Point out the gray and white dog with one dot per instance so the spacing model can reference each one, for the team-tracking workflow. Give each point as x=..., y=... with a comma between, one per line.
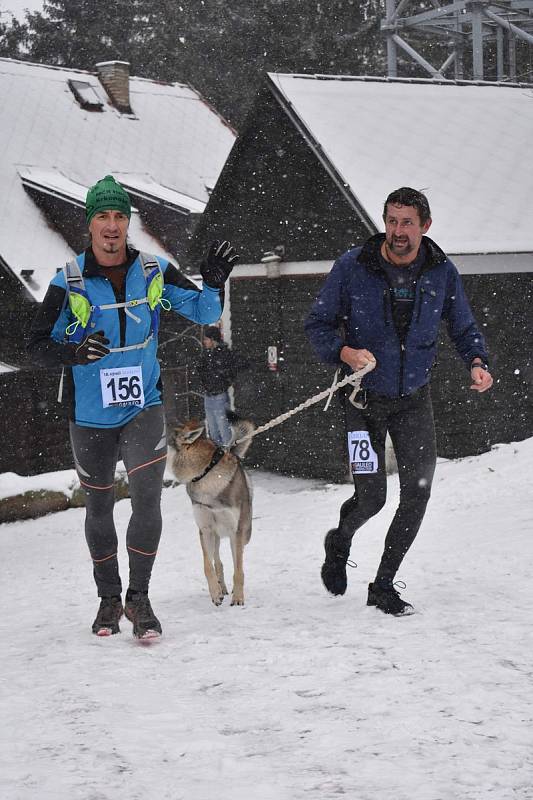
x=221, y=496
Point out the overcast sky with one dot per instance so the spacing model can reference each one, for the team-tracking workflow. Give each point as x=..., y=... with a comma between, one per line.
x=17, y=7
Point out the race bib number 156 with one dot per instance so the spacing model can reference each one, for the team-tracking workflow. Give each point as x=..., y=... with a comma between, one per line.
x=363, y=458
x=122, y=386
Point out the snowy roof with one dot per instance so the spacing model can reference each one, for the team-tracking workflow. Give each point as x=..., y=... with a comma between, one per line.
x=145, y=186
x=174, y=145
x=56, y=184
x=467, y=146
x=53, y=182
x=7, y=367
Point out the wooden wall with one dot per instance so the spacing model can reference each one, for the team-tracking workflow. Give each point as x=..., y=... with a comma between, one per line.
x=271, y=312
x=35, y=425
x=273, y=191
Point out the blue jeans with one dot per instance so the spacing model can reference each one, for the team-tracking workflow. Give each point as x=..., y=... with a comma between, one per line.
x=218, y=427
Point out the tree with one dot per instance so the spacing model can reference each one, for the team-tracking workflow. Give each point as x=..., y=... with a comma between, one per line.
x=82, y=33
x=223, y=49
x=12, y=36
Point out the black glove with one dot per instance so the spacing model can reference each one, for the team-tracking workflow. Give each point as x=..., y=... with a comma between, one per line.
x=218, y=263
x=92, y=348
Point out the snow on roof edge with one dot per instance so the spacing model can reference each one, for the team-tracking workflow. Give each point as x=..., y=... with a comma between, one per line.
x=353, y=104
x=93, y=73
x=386, y=79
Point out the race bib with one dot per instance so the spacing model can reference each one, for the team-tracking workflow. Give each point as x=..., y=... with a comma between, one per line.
x=363, y=457
x=122, y=386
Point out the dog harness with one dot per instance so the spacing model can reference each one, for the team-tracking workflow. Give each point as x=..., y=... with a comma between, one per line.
x=217, y=455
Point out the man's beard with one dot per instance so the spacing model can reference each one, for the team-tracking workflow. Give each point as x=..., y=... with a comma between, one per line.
x=111, y=247
x=398, y=249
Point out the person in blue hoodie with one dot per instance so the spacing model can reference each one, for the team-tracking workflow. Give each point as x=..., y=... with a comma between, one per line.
x=381, y=306
x=99, y=322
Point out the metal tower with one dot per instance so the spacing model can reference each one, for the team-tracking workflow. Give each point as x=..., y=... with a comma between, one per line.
x=464, y=24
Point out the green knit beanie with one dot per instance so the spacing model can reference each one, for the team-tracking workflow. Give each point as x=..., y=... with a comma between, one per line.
x=107, y=195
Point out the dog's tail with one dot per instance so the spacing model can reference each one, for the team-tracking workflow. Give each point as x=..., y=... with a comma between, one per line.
x=241, y=427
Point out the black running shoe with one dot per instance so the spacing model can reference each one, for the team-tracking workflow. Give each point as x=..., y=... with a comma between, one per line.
x=109, y=614
x=387, y=599
x=139, y=611
x=334, y=567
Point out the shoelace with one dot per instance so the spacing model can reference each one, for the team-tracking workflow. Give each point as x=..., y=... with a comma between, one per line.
x=391, y=587
x=339, y=554
x=349, y=562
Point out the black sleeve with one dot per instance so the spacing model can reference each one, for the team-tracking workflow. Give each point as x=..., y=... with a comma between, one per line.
x=228, y=365
x=43, y=350
x=201, y=368
x=174, y=277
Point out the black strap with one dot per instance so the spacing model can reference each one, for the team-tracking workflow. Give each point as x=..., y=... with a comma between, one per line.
x=217, y=455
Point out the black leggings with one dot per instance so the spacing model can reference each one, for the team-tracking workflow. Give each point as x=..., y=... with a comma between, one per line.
x=142, y=446
x=409, y=422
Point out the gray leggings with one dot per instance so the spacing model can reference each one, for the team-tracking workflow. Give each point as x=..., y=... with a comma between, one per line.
x=142, y=445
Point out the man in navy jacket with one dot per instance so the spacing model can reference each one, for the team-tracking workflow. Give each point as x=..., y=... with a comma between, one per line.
x=382, y=304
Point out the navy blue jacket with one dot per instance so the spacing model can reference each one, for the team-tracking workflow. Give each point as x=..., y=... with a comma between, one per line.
x=354, y=308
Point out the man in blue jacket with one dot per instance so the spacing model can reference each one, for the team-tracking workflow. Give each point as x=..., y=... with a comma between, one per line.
x=99, y=321
x=382, y=304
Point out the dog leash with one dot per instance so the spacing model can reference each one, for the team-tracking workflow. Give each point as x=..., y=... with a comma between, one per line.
x=354, y=379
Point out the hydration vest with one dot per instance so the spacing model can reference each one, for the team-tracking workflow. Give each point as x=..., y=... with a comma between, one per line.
x=85, y=314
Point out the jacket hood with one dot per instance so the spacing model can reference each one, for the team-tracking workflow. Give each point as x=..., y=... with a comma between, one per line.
x=369, y=255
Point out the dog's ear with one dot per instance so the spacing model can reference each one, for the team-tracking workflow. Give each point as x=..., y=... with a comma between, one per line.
x=191, y=436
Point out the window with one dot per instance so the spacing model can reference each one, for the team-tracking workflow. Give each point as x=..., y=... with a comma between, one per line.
x=86, y=95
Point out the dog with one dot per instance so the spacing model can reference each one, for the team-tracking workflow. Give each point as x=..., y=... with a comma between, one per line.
x=221, y=496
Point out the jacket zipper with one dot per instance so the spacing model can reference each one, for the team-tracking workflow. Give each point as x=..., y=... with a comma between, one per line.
x=416, y=314
x=386, y=295
x=421, y=292
x=388, y=316
x=418, y=311
x=402, y=359
x=120, y=297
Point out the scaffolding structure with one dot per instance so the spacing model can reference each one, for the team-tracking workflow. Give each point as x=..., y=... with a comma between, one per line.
x=463, y=24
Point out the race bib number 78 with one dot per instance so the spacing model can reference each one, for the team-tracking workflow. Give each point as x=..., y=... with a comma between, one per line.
x=122, y=386
x=363, y=458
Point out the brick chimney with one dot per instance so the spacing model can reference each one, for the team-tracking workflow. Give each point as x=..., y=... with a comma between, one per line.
x=115, y=78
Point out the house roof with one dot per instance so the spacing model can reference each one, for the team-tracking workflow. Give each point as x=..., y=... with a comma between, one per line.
x=54, y=183
x=465, y=145
x=173, y=147
x=7, y=367
x=144, y=186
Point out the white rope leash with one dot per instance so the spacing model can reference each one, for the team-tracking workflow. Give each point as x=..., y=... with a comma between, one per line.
x=354, y=379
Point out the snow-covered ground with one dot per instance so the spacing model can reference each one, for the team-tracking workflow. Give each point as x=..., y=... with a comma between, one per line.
x=298, y=695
